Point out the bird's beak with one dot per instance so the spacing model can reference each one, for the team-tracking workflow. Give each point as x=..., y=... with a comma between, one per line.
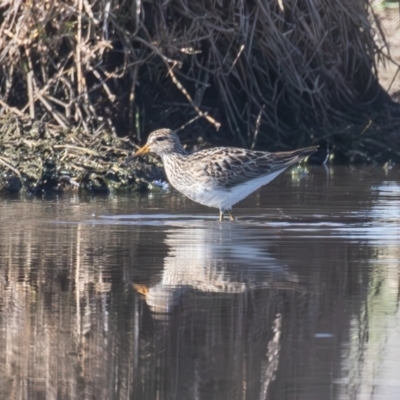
x=143, y=150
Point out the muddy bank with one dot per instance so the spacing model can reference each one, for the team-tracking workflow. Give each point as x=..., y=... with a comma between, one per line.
x=39, y=158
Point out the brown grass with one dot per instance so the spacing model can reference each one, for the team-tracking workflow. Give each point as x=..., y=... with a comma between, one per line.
x=276, y=73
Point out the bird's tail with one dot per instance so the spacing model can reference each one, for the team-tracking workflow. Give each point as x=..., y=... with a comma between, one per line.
x=288, y=158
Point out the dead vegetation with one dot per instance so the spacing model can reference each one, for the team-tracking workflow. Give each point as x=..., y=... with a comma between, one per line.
x=43, y=158
x=270, y=73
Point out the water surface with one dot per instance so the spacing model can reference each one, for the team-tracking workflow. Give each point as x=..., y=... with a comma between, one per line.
x=150, y=297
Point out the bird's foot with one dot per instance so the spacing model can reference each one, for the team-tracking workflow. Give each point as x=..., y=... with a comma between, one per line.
x=221, y=216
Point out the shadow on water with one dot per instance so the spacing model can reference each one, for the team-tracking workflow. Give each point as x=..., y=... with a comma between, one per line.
x=131, y=297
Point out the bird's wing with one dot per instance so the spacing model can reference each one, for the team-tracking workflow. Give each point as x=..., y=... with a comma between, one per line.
x=228, y=167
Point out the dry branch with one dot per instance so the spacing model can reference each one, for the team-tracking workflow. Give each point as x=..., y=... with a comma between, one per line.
x=276, y=73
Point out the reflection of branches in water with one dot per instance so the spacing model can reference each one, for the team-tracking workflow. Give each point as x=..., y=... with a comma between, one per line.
x=373, y=345
x=270, y=367
x=55, y=286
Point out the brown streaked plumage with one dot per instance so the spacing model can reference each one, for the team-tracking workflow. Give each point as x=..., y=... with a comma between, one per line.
x=221, y=176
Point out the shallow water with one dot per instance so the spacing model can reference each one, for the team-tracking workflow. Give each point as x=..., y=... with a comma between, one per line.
x=149, y=297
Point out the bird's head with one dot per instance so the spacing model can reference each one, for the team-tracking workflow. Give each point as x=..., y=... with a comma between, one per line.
x=161, y=142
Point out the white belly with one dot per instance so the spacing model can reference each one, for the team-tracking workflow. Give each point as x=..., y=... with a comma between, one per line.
x=224, y=199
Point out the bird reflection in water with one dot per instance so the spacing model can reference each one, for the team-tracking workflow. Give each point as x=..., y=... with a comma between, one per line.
x=213, y=259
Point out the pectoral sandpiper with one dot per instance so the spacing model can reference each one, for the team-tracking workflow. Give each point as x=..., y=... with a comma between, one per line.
x=221, y=176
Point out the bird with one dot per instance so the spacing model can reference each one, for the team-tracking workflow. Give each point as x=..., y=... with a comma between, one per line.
x=221, y=176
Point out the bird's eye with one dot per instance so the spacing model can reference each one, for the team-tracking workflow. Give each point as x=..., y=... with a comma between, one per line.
x=160, y=138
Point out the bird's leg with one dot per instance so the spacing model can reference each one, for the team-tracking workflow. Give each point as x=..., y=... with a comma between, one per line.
x=231, y=217
x=221, y=215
